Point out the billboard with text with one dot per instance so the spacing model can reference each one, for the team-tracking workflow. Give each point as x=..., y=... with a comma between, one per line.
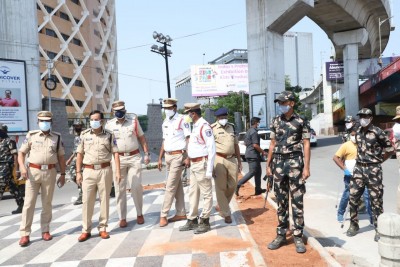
x=13, y=99
x=217, y=80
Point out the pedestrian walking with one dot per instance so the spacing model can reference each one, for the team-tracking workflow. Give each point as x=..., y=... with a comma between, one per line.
x=253, y=154
x=345, y=158
x=289, y=162
x=44, y=149
x=396, y=142
x=201, y=151
x=71, y=162
x=94, y=174
x=371, y=142
x=9, y=159
x=227, y=162
x=175, y=135
x=128, y=133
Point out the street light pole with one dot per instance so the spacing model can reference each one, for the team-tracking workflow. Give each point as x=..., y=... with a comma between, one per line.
x=380, y=39
x=164, y=51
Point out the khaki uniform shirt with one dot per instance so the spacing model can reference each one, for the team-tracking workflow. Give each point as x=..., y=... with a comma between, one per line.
x=126, y=133
x=225, y=138
x=42, y=148
x=97, y=148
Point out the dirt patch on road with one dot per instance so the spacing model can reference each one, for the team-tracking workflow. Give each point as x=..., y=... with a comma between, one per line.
x=262, y=225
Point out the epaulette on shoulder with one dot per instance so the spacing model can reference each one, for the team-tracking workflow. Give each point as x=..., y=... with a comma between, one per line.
x=56, y=133
x=86, y=131
x=214, y=124
x=107, y=131
x=34, y=132
x=112, y=120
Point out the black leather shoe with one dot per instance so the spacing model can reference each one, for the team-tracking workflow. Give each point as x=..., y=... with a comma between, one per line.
x=298, y=242
x=279, y=241
x=353, y=230
x=260, y=191
x=18, y=210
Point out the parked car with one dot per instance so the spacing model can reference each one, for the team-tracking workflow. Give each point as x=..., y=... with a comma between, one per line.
x=313, y=138
x=265, y=141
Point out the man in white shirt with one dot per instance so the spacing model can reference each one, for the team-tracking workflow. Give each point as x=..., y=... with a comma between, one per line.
x=175, y=132
x=201, y=151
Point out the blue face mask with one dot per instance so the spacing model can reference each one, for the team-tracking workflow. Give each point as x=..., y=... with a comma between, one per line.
x=284, y=109
x=95, y=124
x=44, y=126
x=120, y=114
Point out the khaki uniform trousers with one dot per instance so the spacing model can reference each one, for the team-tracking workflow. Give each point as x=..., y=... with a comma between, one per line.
x=131, y=173
x=226, y=172
x=96, y=181
x=200, y=184
x=43, y=180
x=174, y=187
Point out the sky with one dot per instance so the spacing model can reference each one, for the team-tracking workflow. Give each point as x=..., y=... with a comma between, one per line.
x=201, y=31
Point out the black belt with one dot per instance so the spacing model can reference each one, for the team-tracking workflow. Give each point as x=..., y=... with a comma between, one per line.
x=291, y=155
x=367, y=164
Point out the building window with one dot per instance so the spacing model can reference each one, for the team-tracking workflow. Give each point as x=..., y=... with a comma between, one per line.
x=50, y=32
x=76, y=20
x=76, y=41
x=65, y=59
x=64, y=16
x=96, y=32
x=79, y=62
x=78, y=83
x=51, y=55
x=37, y=7
x=66, y=80
x=96, y=51
x=75, y=2
x=65, y=36
x=98, y=70
x=48, y=9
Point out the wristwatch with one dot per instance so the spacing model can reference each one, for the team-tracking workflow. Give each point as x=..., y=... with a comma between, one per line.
x=147, y=153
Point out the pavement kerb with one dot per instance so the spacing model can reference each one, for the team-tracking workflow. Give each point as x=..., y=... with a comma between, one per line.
x=331, y=261
x=245, y=232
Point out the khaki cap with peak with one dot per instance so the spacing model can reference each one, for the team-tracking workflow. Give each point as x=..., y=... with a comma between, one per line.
x=45, y=115
x=397, y=113
x=169, y=102
x=191, y=106
x=118, y=105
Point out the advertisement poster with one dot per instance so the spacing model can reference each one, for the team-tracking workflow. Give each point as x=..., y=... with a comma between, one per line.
x=217, y=80
x=259, y=109
x=13, y=95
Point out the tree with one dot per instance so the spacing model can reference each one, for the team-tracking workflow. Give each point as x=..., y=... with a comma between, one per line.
x=233, y=102
x=296, y=90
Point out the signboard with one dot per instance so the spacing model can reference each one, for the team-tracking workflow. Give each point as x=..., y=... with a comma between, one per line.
x=259, y=109
x=13, y=95
x=217, y=80
x=334, y=71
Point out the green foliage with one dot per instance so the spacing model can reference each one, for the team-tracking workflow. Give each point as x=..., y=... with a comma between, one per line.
x=144, y=122
x=296, y=90
x=233, y=102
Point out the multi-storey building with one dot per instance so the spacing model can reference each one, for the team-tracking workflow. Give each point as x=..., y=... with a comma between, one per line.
x=79, y=36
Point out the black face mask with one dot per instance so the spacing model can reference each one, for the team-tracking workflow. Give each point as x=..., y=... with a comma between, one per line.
x=120, y=114
x=78, y=130
x=3, y=135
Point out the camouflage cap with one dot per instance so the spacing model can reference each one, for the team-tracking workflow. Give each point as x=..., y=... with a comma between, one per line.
x=118, y=105
x=397, y=113
x=191, y=106
x=365, y=111
x=78, y=122
x=285, y=96
x=45, y=115
x=349, y=118
x=169, y=102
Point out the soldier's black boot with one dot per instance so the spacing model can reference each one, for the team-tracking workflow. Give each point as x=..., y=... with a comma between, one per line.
x=18, y=210
x=279, y=241
x=190, y=225
x=204, y=226
x=298, y=242
x=353, y=229
x=78, y=201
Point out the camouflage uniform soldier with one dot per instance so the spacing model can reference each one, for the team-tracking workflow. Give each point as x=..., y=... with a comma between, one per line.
x=371, y=143
x=8, y=157
x=350, y=122
x=290, y=136
x=71, y=162
x=396, y=141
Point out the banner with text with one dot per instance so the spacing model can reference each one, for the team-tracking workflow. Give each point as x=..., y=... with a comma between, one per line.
x=13, y=99
x=217, y=80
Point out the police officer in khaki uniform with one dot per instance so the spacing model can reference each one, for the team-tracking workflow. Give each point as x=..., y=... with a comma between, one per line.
x=227, y=162
x=201, y=151
x=44, y=149
x=175, y=133
x=95, y=175
x=128, y=133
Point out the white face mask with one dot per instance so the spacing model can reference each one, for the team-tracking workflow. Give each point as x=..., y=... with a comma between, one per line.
x=349, y=125
x=169, y=113
x=95, y=124
x=364, y=122
x=284, y=109
x=44, y=125
x=223, y=122
x=353, y=138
